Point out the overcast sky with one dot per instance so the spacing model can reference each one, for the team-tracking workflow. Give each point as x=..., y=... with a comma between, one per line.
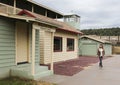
x=94, y=13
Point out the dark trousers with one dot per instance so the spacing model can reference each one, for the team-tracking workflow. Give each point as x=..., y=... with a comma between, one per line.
x=100, y=63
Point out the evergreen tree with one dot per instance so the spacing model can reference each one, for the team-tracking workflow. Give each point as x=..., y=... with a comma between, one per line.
x=103, y=32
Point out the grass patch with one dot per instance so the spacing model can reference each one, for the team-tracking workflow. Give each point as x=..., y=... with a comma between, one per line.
x=22, y=81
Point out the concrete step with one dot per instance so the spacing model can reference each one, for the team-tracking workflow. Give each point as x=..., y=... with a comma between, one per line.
x=37, y=76
x=40, y=69
x=27, y=67
x=23, y=71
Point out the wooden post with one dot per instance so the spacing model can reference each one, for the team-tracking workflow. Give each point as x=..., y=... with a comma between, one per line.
x=33, y=51
x=32, y=8
x=78, y=51
x=46, y=13
x=14, y=11
x=56, y=16
x=52, y=42
x=118, y=38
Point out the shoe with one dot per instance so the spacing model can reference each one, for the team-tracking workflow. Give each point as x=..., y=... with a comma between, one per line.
x=100, y=65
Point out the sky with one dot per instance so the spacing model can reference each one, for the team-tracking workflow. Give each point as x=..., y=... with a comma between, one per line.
x=94, y=13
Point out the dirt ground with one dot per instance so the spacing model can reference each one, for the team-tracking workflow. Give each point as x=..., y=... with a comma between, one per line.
x=73, y=66
x=22, y=81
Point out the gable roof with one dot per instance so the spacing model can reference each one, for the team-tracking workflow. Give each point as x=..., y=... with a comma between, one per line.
x=96, y=39
x=62, y=25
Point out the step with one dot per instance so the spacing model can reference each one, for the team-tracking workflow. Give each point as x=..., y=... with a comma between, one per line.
x=21, y=73
x=37, y=76
x=40, y=71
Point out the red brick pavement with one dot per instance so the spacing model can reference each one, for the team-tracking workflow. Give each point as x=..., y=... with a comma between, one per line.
x=73, y=66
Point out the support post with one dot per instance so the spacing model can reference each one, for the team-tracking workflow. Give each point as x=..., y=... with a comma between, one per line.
x=46, y=13
x=52, y=42
x=33, y=51
x=32, y=8
x=14, y=11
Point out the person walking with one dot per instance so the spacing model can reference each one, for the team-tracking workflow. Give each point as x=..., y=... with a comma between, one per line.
x=100, y=53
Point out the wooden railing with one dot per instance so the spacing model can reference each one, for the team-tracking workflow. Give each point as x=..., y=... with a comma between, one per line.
x=7, y=9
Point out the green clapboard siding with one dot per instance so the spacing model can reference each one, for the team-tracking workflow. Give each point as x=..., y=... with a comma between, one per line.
x=7, y=42
x=37, y=49
x=89, y=49
x=5, y=56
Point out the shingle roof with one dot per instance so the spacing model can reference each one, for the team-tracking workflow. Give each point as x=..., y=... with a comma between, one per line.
x=63, y=26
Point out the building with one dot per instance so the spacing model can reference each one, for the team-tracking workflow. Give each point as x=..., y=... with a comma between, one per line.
x=29, y=32
x=60, y=43
x=88, y=46
x=73, y=20
x=20, y=23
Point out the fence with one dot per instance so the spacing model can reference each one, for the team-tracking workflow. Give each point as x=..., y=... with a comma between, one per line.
x=116, y=50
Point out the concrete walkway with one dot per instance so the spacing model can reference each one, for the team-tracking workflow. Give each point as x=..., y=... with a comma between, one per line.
x=93, y=75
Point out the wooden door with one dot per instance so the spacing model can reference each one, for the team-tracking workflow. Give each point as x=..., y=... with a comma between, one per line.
x=22, y=43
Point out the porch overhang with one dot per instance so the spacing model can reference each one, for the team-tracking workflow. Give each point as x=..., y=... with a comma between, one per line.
x=30, y=19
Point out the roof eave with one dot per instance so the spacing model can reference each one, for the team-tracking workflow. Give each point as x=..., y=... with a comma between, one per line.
x=48, y=23
x=33, y=2
x=70, y=31
x=105, y=42
x=17, y=17
x=29, y=19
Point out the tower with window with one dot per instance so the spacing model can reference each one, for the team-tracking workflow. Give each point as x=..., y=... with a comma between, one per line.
x=73, y=20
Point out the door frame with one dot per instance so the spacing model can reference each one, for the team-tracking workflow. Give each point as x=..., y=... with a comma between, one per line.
x=28, y=42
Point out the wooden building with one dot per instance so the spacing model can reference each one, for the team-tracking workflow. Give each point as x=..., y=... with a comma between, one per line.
x=88, y=46
x=61, y=43
x=20, y=25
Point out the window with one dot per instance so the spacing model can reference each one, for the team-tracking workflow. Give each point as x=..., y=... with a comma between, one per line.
x=70, y=44
x=57, y=44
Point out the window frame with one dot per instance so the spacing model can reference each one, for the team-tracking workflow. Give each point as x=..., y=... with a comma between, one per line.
x=61, y=44
x=73, y=44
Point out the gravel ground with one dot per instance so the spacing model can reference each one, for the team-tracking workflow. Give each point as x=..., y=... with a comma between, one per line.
x=73, y=66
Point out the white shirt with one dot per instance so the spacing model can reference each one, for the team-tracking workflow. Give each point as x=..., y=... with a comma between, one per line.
x=101, y=51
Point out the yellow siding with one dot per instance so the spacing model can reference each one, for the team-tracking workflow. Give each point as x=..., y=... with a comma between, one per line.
x=45, y=47
x=41, y=46
x=48, y=44
x=66, y=55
